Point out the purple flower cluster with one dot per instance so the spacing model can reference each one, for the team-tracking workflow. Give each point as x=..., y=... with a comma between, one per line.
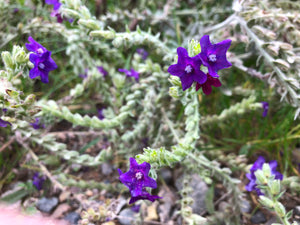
x=38, y=181
x=55, y=13
x=41, y=58
x=213, y=56
x=137, y=179
x=258, y=165
x=130, y=73
x=37, y=124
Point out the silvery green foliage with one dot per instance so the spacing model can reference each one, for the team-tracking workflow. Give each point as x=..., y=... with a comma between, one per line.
x=136, y=111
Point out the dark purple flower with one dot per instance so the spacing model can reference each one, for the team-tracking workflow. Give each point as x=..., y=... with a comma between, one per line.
x=35, y=47
x=136, y=208
x=258, y=164
x=56, y=13
x=265, y=106
x=102, y=71
x=137, y=179
x=38, y=181
x=206, y=87
x=84, y=75
x=100, y=114
x=4, y=123
x=56, y=4
x=214, y=55
x=4, y=110
x=43, y=64
x=143, y=53
x=130, y=73
x=187, y=69
x=37, y=124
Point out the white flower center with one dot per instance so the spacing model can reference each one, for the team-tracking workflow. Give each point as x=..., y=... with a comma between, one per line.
x=41, y=65
x=212, y=58
x=188, y=68
x=40, y=51
x=139, y=175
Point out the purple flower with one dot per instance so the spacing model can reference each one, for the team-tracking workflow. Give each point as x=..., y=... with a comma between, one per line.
x=102, y=71
x=100, y=114
x=35, y=47
x=137, y=179
x=258, y=164
x=214, y=55
x=43, y=63
x=130, y=73
x=4, y=110
x=56, y=4
x=38, y=181
x=84, y=75
x=55, y=13
x=206, y=87
x=265, y=106
x=37, y=124
x=187, y=69
x=143, y=53
x=4, y=123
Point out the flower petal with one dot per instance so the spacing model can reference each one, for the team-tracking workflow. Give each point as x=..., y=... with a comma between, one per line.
x=176, y=70
x=206, y=89
x=186, y=81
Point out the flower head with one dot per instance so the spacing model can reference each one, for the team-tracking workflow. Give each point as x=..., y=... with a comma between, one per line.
x=43, y=64
x=214, y=55
x=4, y=123
x=137, y=179
x=265, y=106
x=258, y=165
x=187, y=69
x=38, y=181
x=102, y=71
x=37, y=124
x=56, y=4
x=206, y=87
x=130, y=73
x=35, y=47
x=143, y=53
x=100, y=114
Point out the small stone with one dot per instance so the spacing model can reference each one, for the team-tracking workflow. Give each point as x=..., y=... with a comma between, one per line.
x=258, y=217
x=297, y=210
x=89, y=193
x=166, y=174
x=245, y=206
x=60, y=210
x=47, y=204
x=126, y=217
x=107, y=169
x=73, y=218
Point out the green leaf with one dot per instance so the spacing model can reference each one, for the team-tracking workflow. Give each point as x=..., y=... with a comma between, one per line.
x=15, y=196
x=209, y=200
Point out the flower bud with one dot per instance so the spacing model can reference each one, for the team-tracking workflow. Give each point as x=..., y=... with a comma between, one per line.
x=118, y=42
x=21, y=57
x=70, y=13
x=103, y=33
x=91, y=24
x=175, y=81
x=266, y=170
x=275, y=187
x=30, y=99
x=7, y=59
x=85, y=12
x=266, y=201
x=279, y=209
x=174, y=92
x=261, y=178
x=283, y=65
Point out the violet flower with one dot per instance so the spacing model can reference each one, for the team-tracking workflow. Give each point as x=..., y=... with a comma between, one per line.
x=102, y=71
x=187, y=69
x=84, y=75
x=4, y=123
x=137, y=179
x=56, y=4
x=258, y=164
x=43, y=63
x=100, y=114
x=143, y=53
x=130, y=73
x=55, y=13
x=265, y=106
x=214, y=55
x=37, y=124
x=206, y=87
x=38, y=181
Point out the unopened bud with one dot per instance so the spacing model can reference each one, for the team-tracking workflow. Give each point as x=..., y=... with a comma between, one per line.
x=30, y=99
x=283, y=65
x=117, y=42
x=266, y=201
x=21, y=57
x=7, y=59
x=175, y=81
x=85, y=12
x=103, y=33
x=70, y=13
x=92, y=24
x=275, y=187
x=261, y=178
x=174, y=92
x=279, y=209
